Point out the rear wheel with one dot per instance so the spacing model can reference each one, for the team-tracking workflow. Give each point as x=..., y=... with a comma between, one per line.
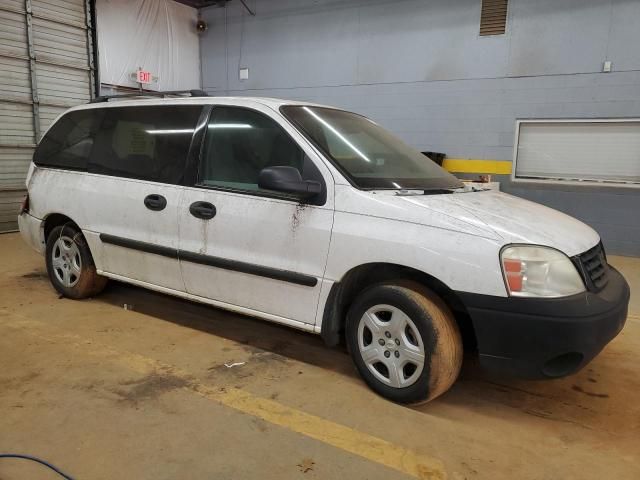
x=404, y=342
x=70, y=265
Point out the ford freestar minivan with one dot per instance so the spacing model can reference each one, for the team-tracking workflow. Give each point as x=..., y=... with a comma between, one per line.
x=320, y=219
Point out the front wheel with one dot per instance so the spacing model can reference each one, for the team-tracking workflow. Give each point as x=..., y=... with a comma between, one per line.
x=404, y=342
x=70, y=265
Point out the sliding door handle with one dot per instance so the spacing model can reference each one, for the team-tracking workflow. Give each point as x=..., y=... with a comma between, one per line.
x=155, y=202
x=203, y=210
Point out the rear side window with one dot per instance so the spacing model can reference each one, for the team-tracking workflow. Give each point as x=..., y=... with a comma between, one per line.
x=145, y=142
x=69, y=142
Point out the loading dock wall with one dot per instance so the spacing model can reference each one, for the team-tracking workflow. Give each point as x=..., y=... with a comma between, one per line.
x=422, y=70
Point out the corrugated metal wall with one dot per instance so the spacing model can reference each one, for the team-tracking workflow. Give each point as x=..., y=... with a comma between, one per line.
x=46, y=66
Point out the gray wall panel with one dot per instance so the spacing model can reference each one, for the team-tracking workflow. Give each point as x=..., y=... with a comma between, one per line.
x=556, y=37
x=421, y=70
x=626, y=18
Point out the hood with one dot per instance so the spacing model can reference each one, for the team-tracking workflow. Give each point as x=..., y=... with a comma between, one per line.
x=496, y=215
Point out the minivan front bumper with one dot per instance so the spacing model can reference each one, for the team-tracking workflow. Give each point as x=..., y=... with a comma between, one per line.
x=546, y=338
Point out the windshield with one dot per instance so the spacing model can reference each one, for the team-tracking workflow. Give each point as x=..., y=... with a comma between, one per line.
x=370, y=156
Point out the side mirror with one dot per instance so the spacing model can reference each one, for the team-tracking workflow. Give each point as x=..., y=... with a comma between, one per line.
x=288, y=180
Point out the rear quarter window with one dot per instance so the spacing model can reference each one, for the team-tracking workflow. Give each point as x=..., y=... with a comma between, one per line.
x=69, y=142
x=145, y=142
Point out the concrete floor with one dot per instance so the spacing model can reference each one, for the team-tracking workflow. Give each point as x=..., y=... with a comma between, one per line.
x=107, y=393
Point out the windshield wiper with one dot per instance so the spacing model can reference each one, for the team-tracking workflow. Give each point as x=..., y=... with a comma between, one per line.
x=438, y=190
x=425, y=191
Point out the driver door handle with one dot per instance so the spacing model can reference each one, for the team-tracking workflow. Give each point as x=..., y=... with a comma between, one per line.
x=203, y=210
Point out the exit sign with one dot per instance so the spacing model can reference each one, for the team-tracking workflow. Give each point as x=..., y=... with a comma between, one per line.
x=143, y=76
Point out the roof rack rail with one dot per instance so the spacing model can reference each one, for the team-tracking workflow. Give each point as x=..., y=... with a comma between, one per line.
x=171, y=93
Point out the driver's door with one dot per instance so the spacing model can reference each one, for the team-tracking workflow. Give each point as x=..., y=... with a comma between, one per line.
x=257, y=250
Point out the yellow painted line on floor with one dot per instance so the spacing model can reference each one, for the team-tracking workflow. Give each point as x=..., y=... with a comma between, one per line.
x=470, y=165
x=345, y=438
x=334, y=434
x=635, y=318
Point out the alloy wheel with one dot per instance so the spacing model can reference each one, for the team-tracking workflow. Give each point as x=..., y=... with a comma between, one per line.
x=66, y=261
x=391, y=346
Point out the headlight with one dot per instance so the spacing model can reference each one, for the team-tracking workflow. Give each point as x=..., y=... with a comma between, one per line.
x=531, y=271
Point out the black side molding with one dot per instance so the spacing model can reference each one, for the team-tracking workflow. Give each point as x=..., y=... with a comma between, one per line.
x=141, y=246
x=250, y=268
x=224, y=263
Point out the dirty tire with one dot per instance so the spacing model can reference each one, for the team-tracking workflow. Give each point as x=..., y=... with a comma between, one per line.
x=435, y=324
x=86, y=282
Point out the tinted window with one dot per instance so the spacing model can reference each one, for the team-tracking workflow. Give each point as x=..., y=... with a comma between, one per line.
x=239, y=143
x=69, y=142
x=145, y=142
x=370, y=156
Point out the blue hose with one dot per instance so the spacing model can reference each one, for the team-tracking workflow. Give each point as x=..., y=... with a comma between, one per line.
x=37, y=460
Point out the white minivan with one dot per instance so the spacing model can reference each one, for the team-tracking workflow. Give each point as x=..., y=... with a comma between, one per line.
x=318, y=218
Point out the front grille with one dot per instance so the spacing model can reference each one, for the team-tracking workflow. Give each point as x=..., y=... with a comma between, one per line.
x=593, y=266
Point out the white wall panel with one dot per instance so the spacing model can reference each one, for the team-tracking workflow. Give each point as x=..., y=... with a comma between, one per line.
x=13, y=33
x=62, y=85
x=593, y=150
x=157, y=35
x=70, y=12
x=16, y=126
x=59, y=43
x=15, y=163
x=14, y=78
x=15, y=5
x=48, y=114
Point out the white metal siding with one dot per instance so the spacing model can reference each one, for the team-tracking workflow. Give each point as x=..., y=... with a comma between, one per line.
x=579, y=150
x=16, y=127
x=38, y=81
x=14, y=78
x=13, y=32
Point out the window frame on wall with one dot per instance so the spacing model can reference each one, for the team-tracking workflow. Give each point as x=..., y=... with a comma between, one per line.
x=553, y=180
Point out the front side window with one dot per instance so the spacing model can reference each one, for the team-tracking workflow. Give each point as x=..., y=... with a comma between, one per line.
x=145, y=142
x=239, y=143
x=370, y=156
x=69, y=142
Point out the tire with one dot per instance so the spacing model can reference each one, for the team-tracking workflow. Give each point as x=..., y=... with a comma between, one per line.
x=70, y=265
x=407, y=318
